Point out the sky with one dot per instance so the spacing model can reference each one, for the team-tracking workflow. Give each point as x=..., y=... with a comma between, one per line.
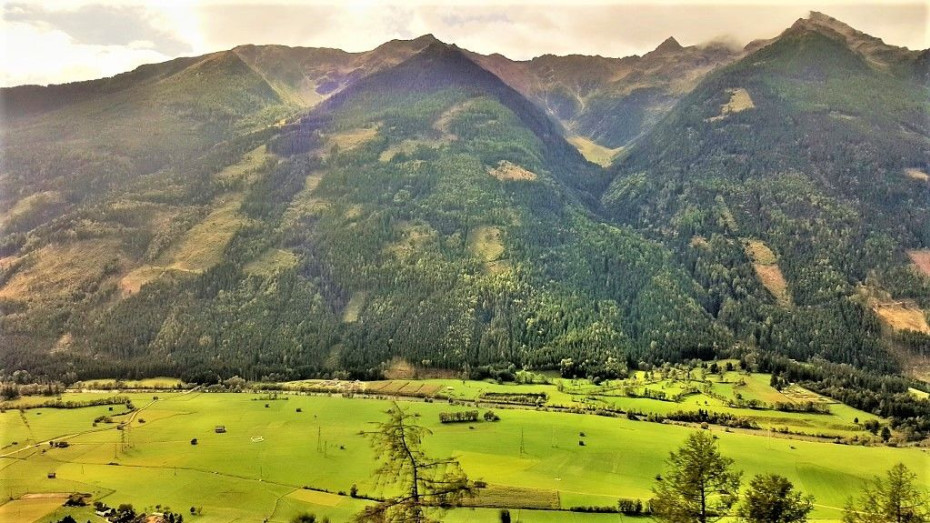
x=58, y=41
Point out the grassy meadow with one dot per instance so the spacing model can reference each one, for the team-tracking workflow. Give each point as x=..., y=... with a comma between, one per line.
x=288, y=453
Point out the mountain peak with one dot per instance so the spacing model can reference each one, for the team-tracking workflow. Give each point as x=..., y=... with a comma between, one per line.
x=820, y=22
x=670, y=44
x=872, y=48
x=426, y=39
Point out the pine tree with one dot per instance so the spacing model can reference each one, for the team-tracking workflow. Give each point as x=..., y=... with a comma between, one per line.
x=896, y=499
x=698, y=485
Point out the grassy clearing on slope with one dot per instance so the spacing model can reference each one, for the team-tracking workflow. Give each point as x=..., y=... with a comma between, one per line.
x=773, y=280
x=485, y=243
x=354, y=307
x=270, y=262
x=409, y=147
x=198, y=249
x=304, y=203
x=921, y=259
x=919, y=393
x=765, y=264
x=595, y=152
x=247, y=169
x=414, y=238
x=203, y=245
x=897, y=314
x=136, y=278
x=321, y=447
x=902, y=316
x=507, y=171
x=442, y=123
x=739, y=101
x=348, y=140
x=60, y=270
x=41, y=203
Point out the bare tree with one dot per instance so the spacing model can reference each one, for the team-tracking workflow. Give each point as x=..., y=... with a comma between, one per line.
x=426, y=484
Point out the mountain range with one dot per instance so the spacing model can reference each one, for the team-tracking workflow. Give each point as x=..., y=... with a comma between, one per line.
x=279, y=213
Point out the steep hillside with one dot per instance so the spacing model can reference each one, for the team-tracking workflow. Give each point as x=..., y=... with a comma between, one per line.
x=427, y=212
x=611, y=101
x=119, y=129
x=187, y=106
x=307, y=76
x=288, y=212
x=804, y=145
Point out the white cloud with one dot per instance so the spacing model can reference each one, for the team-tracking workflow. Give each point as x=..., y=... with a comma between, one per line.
x=35, y=53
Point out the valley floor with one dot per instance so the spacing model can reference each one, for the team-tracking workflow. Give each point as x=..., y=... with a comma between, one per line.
x=282, y=454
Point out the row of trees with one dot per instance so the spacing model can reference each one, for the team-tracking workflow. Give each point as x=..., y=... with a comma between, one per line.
x=462, y=416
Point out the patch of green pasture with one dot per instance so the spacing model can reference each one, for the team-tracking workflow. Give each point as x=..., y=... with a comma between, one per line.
x=232, y=476
x=583, y=394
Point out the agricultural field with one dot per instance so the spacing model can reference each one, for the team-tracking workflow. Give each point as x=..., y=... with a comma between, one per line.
x=286, y=453
x=742, y=395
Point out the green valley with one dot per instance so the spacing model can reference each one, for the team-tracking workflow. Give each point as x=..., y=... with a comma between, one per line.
x=271, y=281
x=303, y=451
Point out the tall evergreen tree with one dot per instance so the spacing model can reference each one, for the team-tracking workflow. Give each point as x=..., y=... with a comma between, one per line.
x=698, y=485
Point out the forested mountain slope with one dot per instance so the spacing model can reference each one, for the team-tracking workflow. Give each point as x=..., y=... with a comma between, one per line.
x=427, y=211
x=288, y=212
x=810, y=152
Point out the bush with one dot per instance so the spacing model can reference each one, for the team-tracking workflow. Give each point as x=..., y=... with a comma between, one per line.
x=75, y=500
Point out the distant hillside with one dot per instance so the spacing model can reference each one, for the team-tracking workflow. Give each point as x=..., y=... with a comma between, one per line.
x=804, y=145
x=611, y=100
